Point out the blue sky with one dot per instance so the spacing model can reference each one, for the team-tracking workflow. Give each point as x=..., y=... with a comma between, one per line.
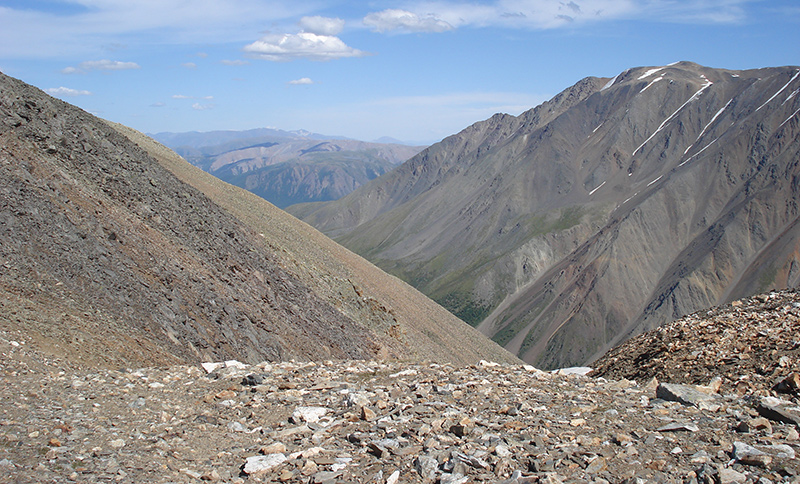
x=417, y=70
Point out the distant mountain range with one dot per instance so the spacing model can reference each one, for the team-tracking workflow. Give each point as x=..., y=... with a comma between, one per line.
x=288, y=167
x=618, y=205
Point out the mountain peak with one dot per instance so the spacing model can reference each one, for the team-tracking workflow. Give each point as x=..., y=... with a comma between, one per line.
x=616, y=206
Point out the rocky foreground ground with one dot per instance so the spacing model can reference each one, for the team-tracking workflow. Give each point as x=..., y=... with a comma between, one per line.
x=378, y=422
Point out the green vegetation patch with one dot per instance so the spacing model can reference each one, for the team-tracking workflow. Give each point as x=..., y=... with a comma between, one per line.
x=465, y=307
x=542, y=224
x=766, y=280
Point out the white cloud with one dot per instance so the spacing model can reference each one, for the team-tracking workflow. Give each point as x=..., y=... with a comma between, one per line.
x=100, y=65
x=34, y=31
x=301, y=81
x=403, y=20
x=322, y=25
x=202, y=107
x=66, y=91
x=189, y=65
x=82, y=26
x=234, y=62
x=184, y=96
x=437, y=16
x=306, y=45
x=108, y=65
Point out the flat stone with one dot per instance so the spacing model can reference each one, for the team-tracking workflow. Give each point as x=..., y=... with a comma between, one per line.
x=308, y=414
x=426, y=467
x=262, y=463
x=778, y=410
x=393, y=477
x=455, y=478
x=749, y=455
x=573, y=370
x=325, y=476
x=599, y=464
x=211, y=367
x=687, y=395
x=729, y=476
x=678, y=427
x=273, y=448
x=781, y=451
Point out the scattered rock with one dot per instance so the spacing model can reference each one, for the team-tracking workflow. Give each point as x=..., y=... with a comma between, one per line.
x=432, y=424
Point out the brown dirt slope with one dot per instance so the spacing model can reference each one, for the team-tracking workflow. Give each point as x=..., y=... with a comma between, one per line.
x=351, y=283
x=107, y=258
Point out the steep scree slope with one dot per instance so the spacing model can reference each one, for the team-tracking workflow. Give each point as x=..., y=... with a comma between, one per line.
x=107, y=258
x=615, y=207
x=422, y=328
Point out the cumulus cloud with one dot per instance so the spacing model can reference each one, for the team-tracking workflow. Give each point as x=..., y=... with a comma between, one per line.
x=301, y=81
x=202, y=107
x=306, y=45
x=405, y=21
x=66, y=91
x=322, y=25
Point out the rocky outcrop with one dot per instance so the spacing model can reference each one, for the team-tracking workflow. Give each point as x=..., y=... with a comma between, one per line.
x=751, y=344
x=617, y=206
x=108, y=258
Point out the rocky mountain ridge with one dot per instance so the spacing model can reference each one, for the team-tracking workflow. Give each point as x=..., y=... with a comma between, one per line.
x=111, y=257
x=617, y=206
